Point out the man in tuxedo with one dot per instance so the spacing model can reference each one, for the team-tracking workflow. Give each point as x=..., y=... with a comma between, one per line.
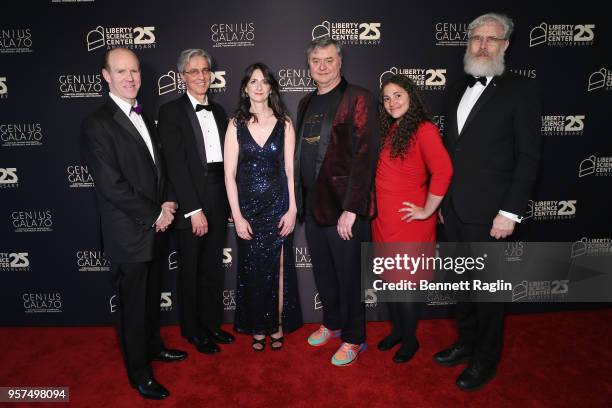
x=192, y=129
x=119, y=145
x=335, y=161
x=493, y=139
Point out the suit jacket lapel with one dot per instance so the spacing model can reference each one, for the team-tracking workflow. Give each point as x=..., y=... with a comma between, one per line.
x=300, y=131
x=302, y=115
x=327, y=123
x=152, y=134
x=221, y=125
x=453, y=126
x=127, y=125
x=197, y=129
x=482, y=100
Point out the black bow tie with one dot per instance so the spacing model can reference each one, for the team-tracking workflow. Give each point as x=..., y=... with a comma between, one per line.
x=472, y=80
x=200, y=107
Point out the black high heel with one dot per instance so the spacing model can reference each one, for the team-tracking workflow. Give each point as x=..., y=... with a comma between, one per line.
x=280, y=340
x=261, y=342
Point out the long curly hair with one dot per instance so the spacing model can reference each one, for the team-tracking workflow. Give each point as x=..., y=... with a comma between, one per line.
x=403, y=137
x=243, y=114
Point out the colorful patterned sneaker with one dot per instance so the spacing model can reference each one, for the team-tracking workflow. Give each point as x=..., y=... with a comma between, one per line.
x=347, y=354
x=321, y=336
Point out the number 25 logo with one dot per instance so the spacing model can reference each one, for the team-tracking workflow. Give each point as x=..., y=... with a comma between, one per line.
x=217, y=79
x=567, y=207
x=584, y=32
x=369, y=31
x=8, y=175
x=227, y=255
x=165, y=299
x=574, y=123
x=144, y=35
x=19, y=260
x=370, y=296
x=435, y=77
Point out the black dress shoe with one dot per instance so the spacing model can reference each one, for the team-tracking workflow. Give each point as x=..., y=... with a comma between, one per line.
x=404, y=354
x=205, y=345
x=456, y=354
x=169, y=356
x=476, y=376
x=389, y=342
x=151, y=389
x=220, y=336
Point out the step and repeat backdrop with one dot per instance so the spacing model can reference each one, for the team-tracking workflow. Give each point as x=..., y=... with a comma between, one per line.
x=52, y=270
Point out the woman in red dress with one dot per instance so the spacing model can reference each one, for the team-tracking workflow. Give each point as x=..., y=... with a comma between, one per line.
x=412, y=176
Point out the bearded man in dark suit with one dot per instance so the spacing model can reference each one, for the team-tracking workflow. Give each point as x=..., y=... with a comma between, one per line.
x=493, y=139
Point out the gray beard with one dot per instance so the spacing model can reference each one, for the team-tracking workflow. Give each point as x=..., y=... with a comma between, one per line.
x=477, y=68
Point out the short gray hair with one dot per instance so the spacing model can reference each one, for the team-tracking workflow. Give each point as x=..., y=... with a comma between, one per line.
x=501, y=19
x=186, y=55
x=323, y=42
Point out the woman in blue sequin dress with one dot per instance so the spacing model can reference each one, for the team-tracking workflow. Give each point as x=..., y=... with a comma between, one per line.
x=258, y=160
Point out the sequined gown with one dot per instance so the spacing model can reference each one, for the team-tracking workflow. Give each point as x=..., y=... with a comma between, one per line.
x=264, y=198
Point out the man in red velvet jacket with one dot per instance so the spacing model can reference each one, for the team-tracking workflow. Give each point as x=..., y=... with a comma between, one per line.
x=335, y=163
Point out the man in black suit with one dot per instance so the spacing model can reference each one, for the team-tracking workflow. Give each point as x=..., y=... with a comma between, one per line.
x=192, y=130
x=119, y=145
x=494, y=141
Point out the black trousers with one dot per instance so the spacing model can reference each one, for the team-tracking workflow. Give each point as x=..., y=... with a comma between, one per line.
x=480, y=324
x=138, y=287
x=404, y=320
x=200, y=279
x=336, y=265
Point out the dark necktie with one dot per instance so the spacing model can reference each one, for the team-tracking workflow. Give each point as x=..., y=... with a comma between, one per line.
x=471, y=81
x=200, y=107
x=137, y=109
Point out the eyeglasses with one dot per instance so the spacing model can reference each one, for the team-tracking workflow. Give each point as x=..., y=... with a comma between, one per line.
x=485, y=40
x=195, y=71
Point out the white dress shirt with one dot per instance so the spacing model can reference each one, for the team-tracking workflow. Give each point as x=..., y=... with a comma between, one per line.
x=212, y=141
x=470, y=96
x=137, y=120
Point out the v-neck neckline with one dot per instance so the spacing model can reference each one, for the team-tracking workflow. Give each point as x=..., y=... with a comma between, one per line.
x=267, y=139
